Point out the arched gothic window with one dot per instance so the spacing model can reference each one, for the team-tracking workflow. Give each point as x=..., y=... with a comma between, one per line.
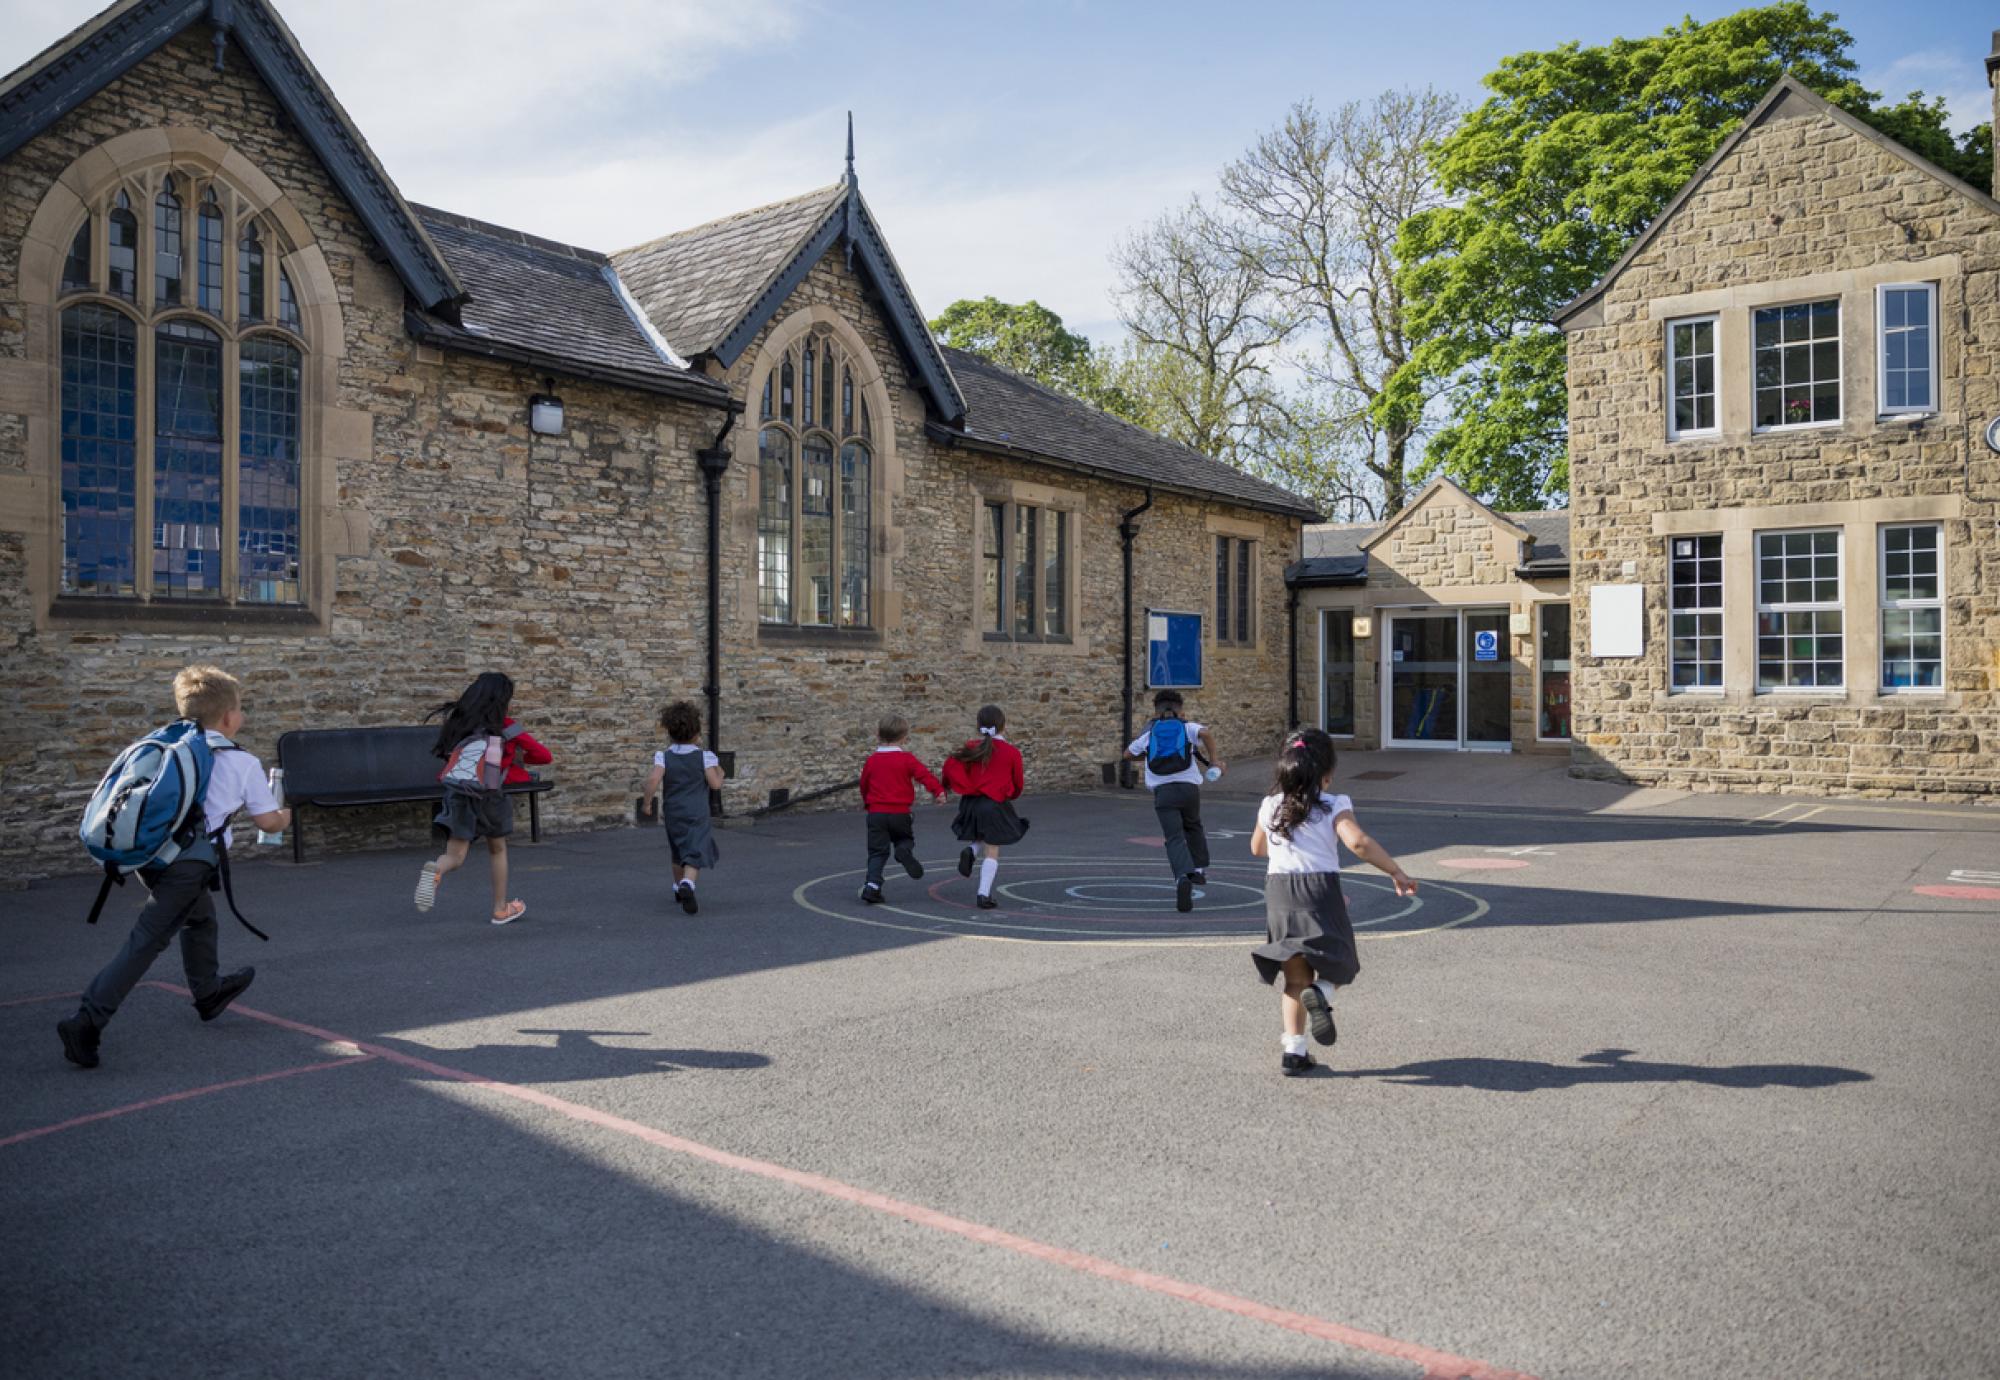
x=202, y=504
x=815, y=473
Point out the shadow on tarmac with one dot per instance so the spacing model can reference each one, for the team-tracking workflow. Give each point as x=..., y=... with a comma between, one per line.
x=1605, y=1066
x=577, y=1057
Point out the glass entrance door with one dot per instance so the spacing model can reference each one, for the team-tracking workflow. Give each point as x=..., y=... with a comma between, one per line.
x=1449, y=681
x=1423, y=679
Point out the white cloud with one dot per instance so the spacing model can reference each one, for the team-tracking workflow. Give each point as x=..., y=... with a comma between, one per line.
x=1960, y=79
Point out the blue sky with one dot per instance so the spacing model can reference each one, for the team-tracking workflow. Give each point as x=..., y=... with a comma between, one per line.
x=1005, y=146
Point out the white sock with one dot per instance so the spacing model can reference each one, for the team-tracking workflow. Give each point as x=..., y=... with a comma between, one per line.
x=1325, y=989
x=688, y=882
x=988, y=870
x=1295, y=1044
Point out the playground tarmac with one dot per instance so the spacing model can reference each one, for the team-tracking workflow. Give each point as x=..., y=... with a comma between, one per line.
x=1696, y=1087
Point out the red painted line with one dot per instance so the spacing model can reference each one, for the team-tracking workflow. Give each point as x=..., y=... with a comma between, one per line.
x=46, y=996
x=1481, y=864
x=1960, y=893
x=1438, y=1365
x=1147, y=841
x=40, y=1131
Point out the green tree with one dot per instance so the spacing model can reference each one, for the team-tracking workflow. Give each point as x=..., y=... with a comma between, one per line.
x=1573, y=154
x=1923, y=127
x=1032, y=340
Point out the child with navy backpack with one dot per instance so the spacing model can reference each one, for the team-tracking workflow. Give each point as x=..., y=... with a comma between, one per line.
x=1174, y=750
x=163, y=810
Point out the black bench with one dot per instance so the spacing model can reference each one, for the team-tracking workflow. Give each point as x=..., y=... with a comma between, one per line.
x=335, y=767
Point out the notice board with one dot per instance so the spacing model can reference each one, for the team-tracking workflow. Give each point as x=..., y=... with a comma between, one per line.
x=1173, y=650
x=1617, y=620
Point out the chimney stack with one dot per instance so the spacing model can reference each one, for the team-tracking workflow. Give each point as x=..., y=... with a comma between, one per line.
x=1993, y=80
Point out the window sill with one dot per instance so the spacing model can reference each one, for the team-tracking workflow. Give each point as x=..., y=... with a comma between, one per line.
x=1029, y=640
x=1713, y=433
x=795, y=635
x=1782, y=429
x=1914, y=417
x=191, y=616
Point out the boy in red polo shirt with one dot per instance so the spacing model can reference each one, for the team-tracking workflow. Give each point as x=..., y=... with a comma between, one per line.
x=888, y=791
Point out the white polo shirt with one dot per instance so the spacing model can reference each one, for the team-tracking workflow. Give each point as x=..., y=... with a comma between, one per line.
x=1313, y=846
x=1192, y=775
x=235, y=782
x=708, y=759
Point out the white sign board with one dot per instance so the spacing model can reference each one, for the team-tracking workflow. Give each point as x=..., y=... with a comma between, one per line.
x=1617, y=620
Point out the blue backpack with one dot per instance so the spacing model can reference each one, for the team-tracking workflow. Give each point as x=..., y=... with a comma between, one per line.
x=1168, y=751
x=147, y=810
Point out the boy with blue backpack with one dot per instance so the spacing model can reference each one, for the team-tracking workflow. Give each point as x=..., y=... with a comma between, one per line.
x=163, y=811
x=1175, y=751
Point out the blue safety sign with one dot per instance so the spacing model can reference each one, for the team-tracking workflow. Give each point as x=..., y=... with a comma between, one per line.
x=1486, y=645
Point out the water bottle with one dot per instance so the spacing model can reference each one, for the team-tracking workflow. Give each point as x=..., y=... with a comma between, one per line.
x=278, y=794
x=1213, y=773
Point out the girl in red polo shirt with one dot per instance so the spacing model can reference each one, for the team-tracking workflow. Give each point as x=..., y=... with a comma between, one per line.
x=987, y=777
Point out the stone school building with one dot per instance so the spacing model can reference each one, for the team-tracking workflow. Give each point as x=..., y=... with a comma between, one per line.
x=257, y=408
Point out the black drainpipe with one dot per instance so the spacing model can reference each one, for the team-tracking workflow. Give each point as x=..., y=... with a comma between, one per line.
x=714, y=464
x=1128, y=532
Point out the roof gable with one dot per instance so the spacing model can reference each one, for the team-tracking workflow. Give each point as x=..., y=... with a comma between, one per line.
x=1446, y=490
x=1788, y=91
x=712, y=289
x=64, y=76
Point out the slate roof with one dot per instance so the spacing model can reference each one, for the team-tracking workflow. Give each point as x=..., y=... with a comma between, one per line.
x=697, y=284
x=1017, y=414
x=1334, y=554
x=542, y=302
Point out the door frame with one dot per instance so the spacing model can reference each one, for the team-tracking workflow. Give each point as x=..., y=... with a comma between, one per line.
x=1388, y=674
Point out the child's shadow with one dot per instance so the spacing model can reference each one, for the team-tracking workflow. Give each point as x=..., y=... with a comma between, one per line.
x=576, y=1056
x=1605, y=1066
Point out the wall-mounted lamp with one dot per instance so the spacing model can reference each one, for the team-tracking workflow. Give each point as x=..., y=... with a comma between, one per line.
x=545, y=414
x=1364, y=626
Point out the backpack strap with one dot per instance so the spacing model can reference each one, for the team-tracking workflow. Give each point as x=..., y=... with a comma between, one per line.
x=112, y=877
x=220, y=882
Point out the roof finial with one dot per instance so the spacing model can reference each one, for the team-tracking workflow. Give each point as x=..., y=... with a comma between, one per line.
x=850, y=147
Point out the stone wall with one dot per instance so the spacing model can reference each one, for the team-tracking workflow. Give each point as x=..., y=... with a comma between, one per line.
x=1804, y=207
x=453, y=541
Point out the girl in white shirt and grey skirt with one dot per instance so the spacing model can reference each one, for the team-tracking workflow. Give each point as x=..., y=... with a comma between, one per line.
x=1309, y=941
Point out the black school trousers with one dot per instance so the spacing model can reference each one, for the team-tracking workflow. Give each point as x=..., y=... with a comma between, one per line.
x=889, y=834
x=1178, y=804
x=180, y=902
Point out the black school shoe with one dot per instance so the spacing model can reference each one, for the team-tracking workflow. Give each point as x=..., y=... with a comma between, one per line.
x=685, y=895
x=872, y=894
x=227, y=990
x=1184, y=893
x=988, y=903
x=965, y=861
x=1292, y=1065
x=1319, y=1011
x=79, y=1039
x=912, y=866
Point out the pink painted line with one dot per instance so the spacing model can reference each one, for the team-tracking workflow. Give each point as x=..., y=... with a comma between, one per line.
x=129, y=1107
x=1438, y=1365
x=46, y=996
x=1960, y=893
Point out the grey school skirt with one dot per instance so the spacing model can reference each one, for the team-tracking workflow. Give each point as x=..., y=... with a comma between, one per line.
x=475, y=814
x=982, y=819
x=1305, y=916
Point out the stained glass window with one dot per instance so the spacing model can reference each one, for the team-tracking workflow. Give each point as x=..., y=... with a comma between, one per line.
x=267, y=486
x=854, y=503
x=209, y=270
x=816, y=531
x=774, y=525
x=250, y=275
x=187, y=461
x=288, y=305
x=122, y=249
x=100, y=389
x=806, y=401
x=76, y=267
x=167, y=245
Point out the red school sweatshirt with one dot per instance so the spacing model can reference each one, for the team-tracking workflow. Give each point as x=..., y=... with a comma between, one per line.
x=888, y=781
x=521, y=753
x=1000, y=777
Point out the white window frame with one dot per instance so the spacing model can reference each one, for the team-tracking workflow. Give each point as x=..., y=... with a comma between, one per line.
x=1840, y=353
x=1886, y=606
x=1673, y=608
x=1838, y=605
x=1882, y=292
x=1714, y=324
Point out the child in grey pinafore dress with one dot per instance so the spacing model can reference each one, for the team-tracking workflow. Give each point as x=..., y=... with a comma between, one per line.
x=683, y=775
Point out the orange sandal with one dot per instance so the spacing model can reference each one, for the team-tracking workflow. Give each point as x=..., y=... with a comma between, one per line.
x=514, y=911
